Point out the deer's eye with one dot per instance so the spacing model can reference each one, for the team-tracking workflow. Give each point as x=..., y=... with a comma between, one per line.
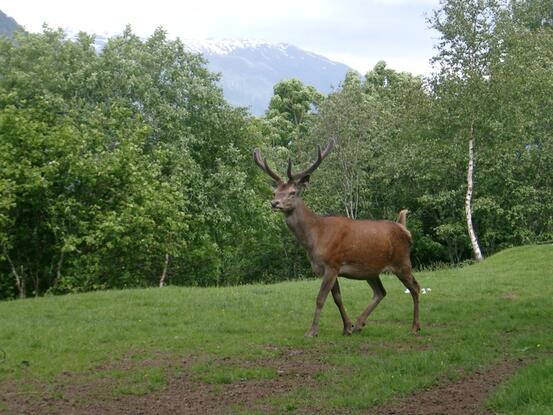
x=292, y=193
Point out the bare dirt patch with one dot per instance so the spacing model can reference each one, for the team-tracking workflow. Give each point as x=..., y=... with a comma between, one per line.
x=183, y=393
x=464, y=397
x=92, y=393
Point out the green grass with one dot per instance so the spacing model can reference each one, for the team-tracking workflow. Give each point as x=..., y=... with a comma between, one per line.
x=473, y=317
x=530, y=392
x=217, y=373
x=138, y=381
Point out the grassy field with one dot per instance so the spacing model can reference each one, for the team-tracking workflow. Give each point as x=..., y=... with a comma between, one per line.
x=473, y=317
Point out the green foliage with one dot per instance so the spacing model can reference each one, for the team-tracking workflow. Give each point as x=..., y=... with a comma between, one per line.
x=289, y=112
x=110, y=161
x=350, y=118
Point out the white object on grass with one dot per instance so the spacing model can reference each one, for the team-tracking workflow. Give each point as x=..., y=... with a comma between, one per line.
x=423, y=290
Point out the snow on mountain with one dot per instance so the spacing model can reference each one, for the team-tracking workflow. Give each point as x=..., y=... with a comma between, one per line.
x=249, y=69
x=226, y=46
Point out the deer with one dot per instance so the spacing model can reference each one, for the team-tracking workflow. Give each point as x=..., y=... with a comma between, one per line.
x=340, y=246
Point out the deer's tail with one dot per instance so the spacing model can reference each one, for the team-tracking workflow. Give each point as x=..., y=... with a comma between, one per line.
x=402, y=219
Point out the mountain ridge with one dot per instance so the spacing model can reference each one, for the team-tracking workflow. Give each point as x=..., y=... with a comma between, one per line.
x=8, y=25
x=250, y=69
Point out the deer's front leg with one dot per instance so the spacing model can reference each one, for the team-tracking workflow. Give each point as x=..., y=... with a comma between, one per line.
x=329, y=278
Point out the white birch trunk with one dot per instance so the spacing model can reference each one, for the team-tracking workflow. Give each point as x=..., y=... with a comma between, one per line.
x=468, y=203
x=19, y=279
x=164, y=273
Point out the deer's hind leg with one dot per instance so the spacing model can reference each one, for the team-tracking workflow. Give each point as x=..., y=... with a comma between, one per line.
x=407, y=278
x=337, y=296
x=378, y=294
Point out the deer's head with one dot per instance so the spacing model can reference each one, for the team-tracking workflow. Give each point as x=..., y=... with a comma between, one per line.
x=287, y=194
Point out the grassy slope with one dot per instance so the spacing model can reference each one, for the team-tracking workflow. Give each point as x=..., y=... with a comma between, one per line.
x=501, y=308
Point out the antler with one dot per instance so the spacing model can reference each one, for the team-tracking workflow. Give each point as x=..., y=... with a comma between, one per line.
x=320, y=156
x=264, y=166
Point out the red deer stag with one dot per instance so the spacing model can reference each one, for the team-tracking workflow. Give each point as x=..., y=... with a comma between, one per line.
x=356, y=249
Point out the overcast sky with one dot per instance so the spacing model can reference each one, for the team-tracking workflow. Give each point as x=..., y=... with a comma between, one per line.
x=355, y=32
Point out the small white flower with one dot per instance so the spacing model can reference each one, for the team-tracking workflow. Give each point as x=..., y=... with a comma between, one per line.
x=423, y=290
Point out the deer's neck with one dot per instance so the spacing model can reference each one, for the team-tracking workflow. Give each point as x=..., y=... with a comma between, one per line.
x=303, y=223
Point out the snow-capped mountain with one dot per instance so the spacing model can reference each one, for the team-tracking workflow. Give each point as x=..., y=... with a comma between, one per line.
x=249, y=69
x=224, y=46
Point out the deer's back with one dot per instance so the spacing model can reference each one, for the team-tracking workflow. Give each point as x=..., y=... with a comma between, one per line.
x=362, y=247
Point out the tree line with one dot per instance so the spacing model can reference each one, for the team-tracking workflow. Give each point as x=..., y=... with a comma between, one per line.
x=127, y=168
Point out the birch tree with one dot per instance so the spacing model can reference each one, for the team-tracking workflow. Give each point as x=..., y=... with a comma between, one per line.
x=467, y=49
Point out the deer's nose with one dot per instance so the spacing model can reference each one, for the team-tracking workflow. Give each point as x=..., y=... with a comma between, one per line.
x=274, y=204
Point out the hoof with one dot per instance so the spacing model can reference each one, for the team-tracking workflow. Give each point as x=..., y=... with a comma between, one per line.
x=357, y=329
x=415, y=331
x=348, y=329
x=311, y=333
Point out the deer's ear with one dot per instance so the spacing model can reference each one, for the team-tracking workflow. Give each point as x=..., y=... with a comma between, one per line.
x=274, y=184
x=304, y=181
